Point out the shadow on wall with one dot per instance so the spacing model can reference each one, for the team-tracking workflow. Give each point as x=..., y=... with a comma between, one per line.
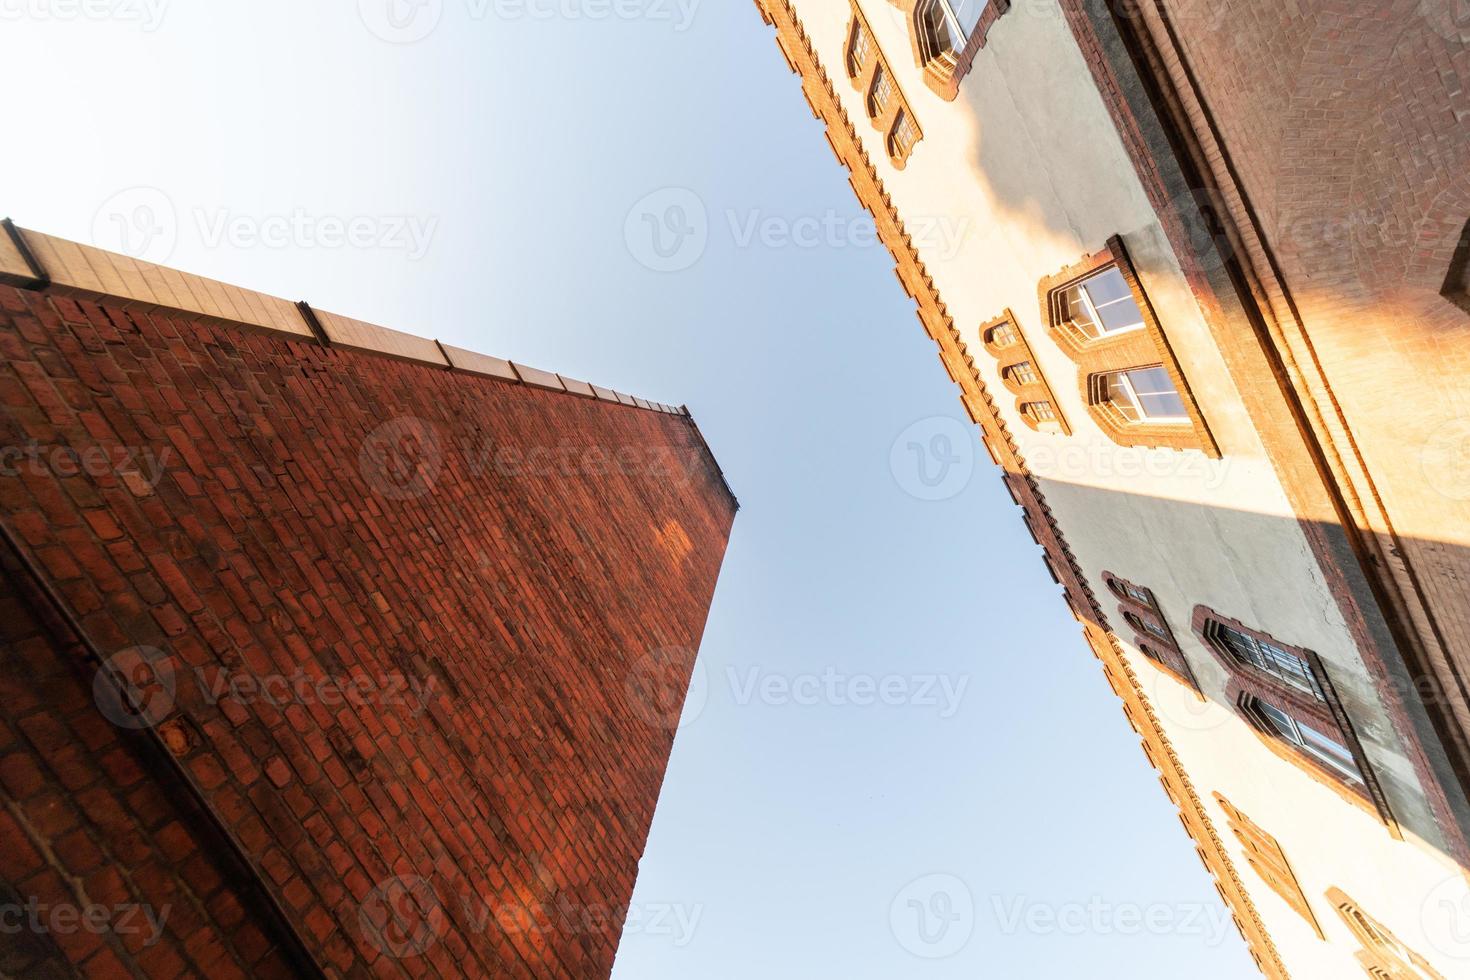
x=1243, y=605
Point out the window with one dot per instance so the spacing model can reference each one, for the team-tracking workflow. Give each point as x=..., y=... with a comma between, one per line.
x=1039, y=411
x=880, y=97
x=1383, y=954
x=1022, y=373
x=1268, y=657
x=887, y=109
x=1098, y=314
x=1131, y=592
x=1101, y=304
x=948, y=24
x=859, y=49
x=1001, y=335
x=1036, y=403
x=1323, y=748
x=1147, y=626
x=947, y=36
x=905, y=135
x=1265, y=856
x=1143, y=394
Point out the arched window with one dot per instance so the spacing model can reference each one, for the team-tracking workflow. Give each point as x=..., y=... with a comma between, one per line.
x=1098, y=313
x=947, y=36
x=1266, y=656
x=888, y=110
x=1039, y=411
x=1100, y=305
x=1323, y=748
x=905, y=135
x=1141, y=395
x=1001, y=336
x=1021, y=373
x=1286, y=695
x=880, y=96
x=1151, y=633
x=859, y=49
x=948, y=24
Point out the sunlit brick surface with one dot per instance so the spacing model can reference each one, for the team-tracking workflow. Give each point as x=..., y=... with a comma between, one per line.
x=522, y=575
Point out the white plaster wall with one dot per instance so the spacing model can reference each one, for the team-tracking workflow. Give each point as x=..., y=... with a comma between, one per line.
x=1026, y=161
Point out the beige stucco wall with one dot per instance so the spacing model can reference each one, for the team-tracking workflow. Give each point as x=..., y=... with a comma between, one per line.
x=1027, y=166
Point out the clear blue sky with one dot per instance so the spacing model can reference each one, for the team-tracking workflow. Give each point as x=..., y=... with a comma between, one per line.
x=517, y=147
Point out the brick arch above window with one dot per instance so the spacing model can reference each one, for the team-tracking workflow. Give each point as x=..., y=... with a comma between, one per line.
x=1284, y=694
x=947, y=35
x=1022, y=376
x=1098, y=314
x=1152, y=635
x=883, y=100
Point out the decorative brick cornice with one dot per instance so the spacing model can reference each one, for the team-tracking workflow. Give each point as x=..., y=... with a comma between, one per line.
x=843, y=136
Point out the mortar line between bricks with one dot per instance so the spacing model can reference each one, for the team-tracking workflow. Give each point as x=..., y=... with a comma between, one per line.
x=159, y=757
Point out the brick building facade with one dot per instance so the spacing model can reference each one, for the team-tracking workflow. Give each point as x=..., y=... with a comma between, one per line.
x=327, y=650
x=1211, y=323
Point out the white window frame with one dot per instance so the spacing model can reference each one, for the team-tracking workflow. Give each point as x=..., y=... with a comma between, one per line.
x=1293, y=735
x=1144, y=418
x=1092, y=309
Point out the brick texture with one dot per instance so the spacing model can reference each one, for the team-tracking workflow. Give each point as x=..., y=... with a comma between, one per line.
x=1344, y=121
x=427, y=634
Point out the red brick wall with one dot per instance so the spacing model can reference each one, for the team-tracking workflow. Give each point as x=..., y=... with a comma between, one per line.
x=263, y=511
x=1345, y=124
